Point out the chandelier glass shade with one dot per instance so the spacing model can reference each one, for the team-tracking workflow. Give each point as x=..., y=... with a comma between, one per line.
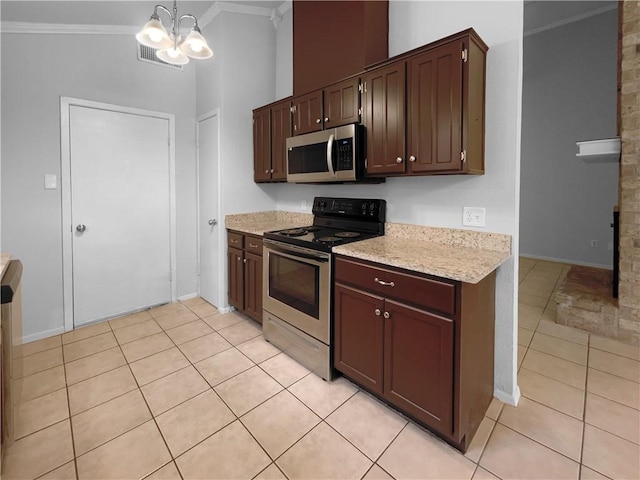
x=170, y=46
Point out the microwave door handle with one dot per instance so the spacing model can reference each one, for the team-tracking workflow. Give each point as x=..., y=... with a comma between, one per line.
x=330, y=155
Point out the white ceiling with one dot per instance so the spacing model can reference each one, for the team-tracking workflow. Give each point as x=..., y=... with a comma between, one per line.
x=107, y=12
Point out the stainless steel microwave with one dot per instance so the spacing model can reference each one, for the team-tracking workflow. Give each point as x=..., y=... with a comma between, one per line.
x=333, y=155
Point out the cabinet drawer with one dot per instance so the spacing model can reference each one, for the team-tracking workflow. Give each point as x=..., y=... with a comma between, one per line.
x=235, y=240
x=433, y=294
x=253, y=245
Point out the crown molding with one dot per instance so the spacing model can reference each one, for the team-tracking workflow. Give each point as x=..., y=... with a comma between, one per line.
x=59, y=28
x=220, y=7
x=204, y=20
x=566, y=21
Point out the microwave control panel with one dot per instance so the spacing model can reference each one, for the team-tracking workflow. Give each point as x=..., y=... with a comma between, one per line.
x=345, y=154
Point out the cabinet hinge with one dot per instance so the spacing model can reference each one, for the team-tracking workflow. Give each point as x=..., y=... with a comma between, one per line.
x=465, y=54
x=463, y=156
x=360, y=87
x=364, y=88
x=360, y=111
x=291, y=109
x=366, y=163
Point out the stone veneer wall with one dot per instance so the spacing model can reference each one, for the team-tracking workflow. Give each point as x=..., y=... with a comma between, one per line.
x=629, y=283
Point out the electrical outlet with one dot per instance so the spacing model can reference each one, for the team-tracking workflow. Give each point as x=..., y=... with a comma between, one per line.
x=473, y=216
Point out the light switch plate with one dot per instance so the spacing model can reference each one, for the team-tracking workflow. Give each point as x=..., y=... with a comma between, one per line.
x=473, y=216
x=50, y=182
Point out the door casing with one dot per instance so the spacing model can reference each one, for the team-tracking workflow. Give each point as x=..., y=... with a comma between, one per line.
x=65, y=181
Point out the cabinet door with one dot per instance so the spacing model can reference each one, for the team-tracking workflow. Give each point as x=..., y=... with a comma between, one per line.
x=280, y=131
x=235, y=266
x=307, y=113
x=262, y=145
x=358, y=337
x=418, y=368
x=253, y=286
x=342, y=103
x=435, y=109
x=384, y=119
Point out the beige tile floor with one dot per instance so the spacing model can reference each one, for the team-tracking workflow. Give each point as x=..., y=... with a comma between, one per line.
x=182, y=391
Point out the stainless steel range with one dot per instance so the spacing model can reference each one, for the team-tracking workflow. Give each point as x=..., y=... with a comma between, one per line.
x=298, y=277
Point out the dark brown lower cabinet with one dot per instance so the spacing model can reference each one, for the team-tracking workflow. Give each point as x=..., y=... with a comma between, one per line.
x=236, y=277
x=244, y=260
x=423, y=344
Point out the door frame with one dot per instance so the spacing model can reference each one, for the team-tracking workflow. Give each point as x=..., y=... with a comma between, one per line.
x=65, y=182
x=221, y=237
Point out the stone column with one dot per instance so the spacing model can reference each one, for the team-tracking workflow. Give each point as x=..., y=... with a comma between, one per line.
x=629, y=283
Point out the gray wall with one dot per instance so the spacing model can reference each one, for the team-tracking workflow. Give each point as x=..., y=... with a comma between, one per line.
x=569, y=94
x=102, y=68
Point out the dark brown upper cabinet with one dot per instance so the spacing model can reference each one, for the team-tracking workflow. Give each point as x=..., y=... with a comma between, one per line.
x=342, y=103
x=271, y=128
x=307, y=113
x=384, y=99
x=441, y=99
x=338, y=104
x=336, y=40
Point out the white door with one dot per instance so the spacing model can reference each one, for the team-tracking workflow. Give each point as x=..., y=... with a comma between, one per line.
x=120, y=212
x=208, y=222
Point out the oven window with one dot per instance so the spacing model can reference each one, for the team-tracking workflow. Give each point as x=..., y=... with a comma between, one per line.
x=295, y=283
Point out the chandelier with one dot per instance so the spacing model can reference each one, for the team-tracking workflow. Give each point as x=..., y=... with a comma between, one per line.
x=171, y=47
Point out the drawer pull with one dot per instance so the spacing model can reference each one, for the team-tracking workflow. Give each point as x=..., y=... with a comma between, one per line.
x=386, y=315
x=377, y=312
x=386, y=284
x=234, y=241
x=253, y=245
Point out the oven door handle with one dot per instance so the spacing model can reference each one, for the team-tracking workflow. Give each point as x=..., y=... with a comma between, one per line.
x=296, y=255
x=330, y=155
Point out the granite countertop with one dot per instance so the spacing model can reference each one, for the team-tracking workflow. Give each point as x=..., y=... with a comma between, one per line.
x=463, y=255
x=260, y=222
x=5, y=258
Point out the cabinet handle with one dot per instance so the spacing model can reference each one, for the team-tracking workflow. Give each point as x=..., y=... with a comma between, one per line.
x=386, y=315
x=272, y=170
x=377, y=312
x=253, y=245
x=326, y=119
x=238, y=259
x=399, y=160
x=386, y=284
x=318, y=120
x=244, y=261
x=234, y=241
x=412, y=158
x=266, y=171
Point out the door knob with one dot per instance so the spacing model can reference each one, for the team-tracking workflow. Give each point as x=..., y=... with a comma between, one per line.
x=81, y=228
x=213, y=222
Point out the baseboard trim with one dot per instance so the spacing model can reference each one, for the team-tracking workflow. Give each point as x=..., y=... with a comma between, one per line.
x=188, y=296
x=564, y=260
x=40, y=335
x=508, y=398
x=226, y=309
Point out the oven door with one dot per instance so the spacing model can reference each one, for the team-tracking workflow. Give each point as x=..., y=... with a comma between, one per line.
x=297, y=287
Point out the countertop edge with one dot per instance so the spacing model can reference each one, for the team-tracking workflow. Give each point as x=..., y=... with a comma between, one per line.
x=5, y=258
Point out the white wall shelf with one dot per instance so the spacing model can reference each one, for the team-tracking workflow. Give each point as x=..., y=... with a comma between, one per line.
x=599, y=151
